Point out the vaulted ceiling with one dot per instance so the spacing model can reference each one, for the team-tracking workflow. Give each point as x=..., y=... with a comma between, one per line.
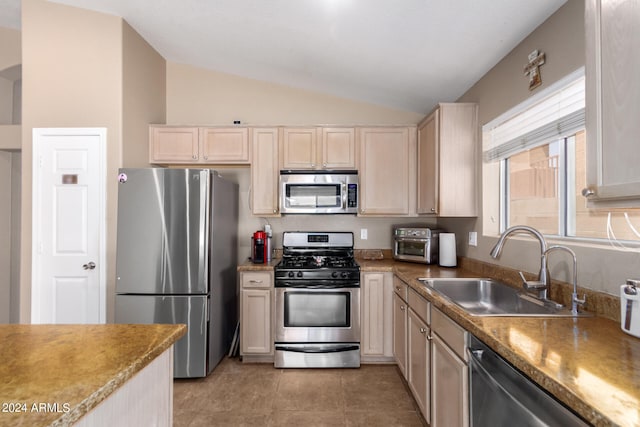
x=404, y=54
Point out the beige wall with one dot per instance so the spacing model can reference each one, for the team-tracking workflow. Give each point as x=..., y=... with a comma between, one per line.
x=198, y=96
x=10, y=55
x=561, y=38
x=144, y=94
x=86, y=69
x=5, y=237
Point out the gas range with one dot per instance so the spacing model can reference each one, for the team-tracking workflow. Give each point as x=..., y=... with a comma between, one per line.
x=317, y=256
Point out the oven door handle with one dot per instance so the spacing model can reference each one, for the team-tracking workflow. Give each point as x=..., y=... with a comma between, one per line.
x=318, y=285
x=332, y=349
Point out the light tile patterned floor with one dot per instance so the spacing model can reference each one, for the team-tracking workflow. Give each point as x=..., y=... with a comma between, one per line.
x=237, y=394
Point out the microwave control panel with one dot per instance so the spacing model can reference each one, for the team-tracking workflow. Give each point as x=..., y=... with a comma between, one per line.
x=352, y=195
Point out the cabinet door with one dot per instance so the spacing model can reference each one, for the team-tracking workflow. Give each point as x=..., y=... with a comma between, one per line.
x=400, y=333
x=299, y=148
x=387, y=171
x=173, y=144
x=377, y=322
x=449, y=386
x=338, y=148
x=225, y=145
x=613, y=103
x=418, y=362
x=428, y=165
x=264, y=171
x=255, y=333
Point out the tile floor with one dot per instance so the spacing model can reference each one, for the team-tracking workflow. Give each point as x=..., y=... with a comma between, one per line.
x=237, y=394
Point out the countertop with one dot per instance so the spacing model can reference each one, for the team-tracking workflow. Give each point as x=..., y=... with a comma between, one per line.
x=588, y=363
x=55, y=374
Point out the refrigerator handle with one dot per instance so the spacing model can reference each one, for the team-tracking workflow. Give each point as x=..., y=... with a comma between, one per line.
x=206, y=187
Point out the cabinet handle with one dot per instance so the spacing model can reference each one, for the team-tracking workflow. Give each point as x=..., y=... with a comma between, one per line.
x=313, y=165
x=324, y=165
x=397, y=288
x=423, y=330
x=588, y=192
x=429, y=337
x=433, y=209
x=194, y=157
x=206, y=157
x=402, y=307
x=275, y=211
x=255, y=281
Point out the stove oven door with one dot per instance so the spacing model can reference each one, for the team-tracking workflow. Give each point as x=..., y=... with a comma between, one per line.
x=311, y=315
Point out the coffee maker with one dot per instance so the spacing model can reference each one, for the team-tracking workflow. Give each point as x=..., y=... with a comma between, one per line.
x=259, y=247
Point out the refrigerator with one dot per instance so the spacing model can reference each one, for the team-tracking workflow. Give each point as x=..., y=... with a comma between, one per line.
x=176, y=259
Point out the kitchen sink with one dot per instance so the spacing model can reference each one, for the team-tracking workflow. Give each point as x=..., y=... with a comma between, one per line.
x=488, y=297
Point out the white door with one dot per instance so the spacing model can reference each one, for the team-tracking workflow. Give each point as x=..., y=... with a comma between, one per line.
x=68, y=265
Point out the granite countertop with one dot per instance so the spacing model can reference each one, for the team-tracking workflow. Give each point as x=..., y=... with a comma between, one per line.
x=55, y=374
x=588, y=363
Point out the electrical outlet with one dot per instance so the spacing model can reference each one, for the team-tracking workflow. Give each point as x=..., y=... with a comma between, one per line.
x=473, y=238
x=363, y=234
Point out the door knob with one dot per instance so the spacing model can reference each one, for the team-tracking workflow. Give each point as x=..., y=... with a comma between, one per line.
x=89, y=266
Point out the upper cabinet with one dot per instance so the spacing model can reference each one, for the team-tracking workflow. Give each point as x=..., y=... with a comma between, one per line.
x=387, y=170
x=264, y=171
x=447, y=161
x=197, y=145
x=318, y=148
x=613, y=103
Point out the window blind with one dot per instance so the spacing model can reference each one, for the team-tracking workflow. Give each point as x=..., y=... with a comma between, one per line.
x=553, y=115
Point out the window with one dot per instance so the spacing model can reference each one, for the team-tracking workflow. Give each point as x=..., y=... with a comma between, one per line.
x=541, y=148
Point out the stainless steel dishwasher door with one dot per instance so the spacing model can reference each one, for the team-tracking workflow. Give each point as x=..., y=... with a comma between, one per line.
x=501, y=396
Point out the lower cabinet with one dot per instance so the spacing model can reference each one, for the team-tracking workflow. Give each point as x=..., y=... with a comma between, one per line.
x=449, y=373
x=256, y=291
x=430, y=350
x=376, y=324
x=419, y=362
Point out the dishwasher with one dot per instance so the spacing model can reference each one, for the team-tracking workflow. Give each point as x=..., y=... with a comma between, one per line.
x=502, y=396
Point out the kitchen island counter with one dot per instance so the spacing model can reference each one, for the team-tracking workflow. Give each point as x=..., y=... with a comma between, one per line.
x=57, y=374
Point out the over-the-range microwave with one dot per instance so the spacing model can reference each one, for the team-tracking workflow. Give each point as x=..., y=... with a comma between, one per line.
x=318, y=192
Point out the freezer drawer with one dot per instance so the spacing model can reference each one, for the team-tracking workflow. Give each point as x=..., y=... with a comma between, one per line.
x=190, y=352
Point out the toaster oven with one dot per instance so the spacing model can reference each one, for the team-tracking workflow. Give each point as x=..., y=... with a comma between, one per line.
x=416, y=244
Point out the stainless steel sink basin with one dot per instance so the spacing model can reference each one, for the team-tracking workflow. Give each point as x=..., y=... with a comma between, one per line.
x=488, y=297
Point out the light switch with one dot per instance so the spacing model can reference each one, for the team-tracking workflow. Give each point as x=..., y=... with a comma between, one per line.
x=363, y=234
x=473, y=238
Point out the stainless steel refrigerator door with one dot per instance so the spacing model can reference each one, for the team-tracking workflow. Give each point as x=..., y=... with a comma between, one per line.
x=162, y=244
x=190, y=351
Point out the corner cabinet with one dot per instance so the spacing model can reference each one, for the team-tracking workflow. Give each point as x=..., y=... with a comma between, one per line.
x=376, y=324
x=264, y=172
x=387, y=171
x=613, y=104
x=256, y=294
x=198, y=145
x=447, y=161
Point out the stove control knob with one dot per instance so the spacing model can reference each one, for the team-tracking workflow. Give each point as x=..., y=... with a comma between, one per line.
x=334, y=274
x=299, y=274
x=344, y=275
x=291, y=274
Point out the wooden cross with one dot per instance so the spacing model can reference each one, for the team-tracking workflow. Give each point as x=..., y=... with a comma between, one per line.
x=532, y=69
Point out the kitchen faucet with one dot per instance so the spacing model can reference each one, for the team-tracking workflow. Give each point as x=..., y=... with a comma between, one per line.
x=575, y=301
x=542, y=284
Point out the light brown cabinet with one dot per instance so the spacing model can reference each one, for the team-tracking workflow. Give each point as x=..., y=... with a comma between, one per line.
x=447, y=161
x=318, y=148
x=613, y=104
x=173, y=144
x=198, y=145
x=419, y=361
x=225, y=145
x=376, y=341
x=256, y=337
x=264, y=172
x=400, y=323
x=449, y=373
x=387, y=171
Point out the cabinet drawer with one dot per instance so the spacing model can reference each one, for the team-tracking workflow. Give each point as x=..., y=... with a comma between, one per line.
x=450, y=332
x=420, y=305
x=256, y=279
x=400, y=288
